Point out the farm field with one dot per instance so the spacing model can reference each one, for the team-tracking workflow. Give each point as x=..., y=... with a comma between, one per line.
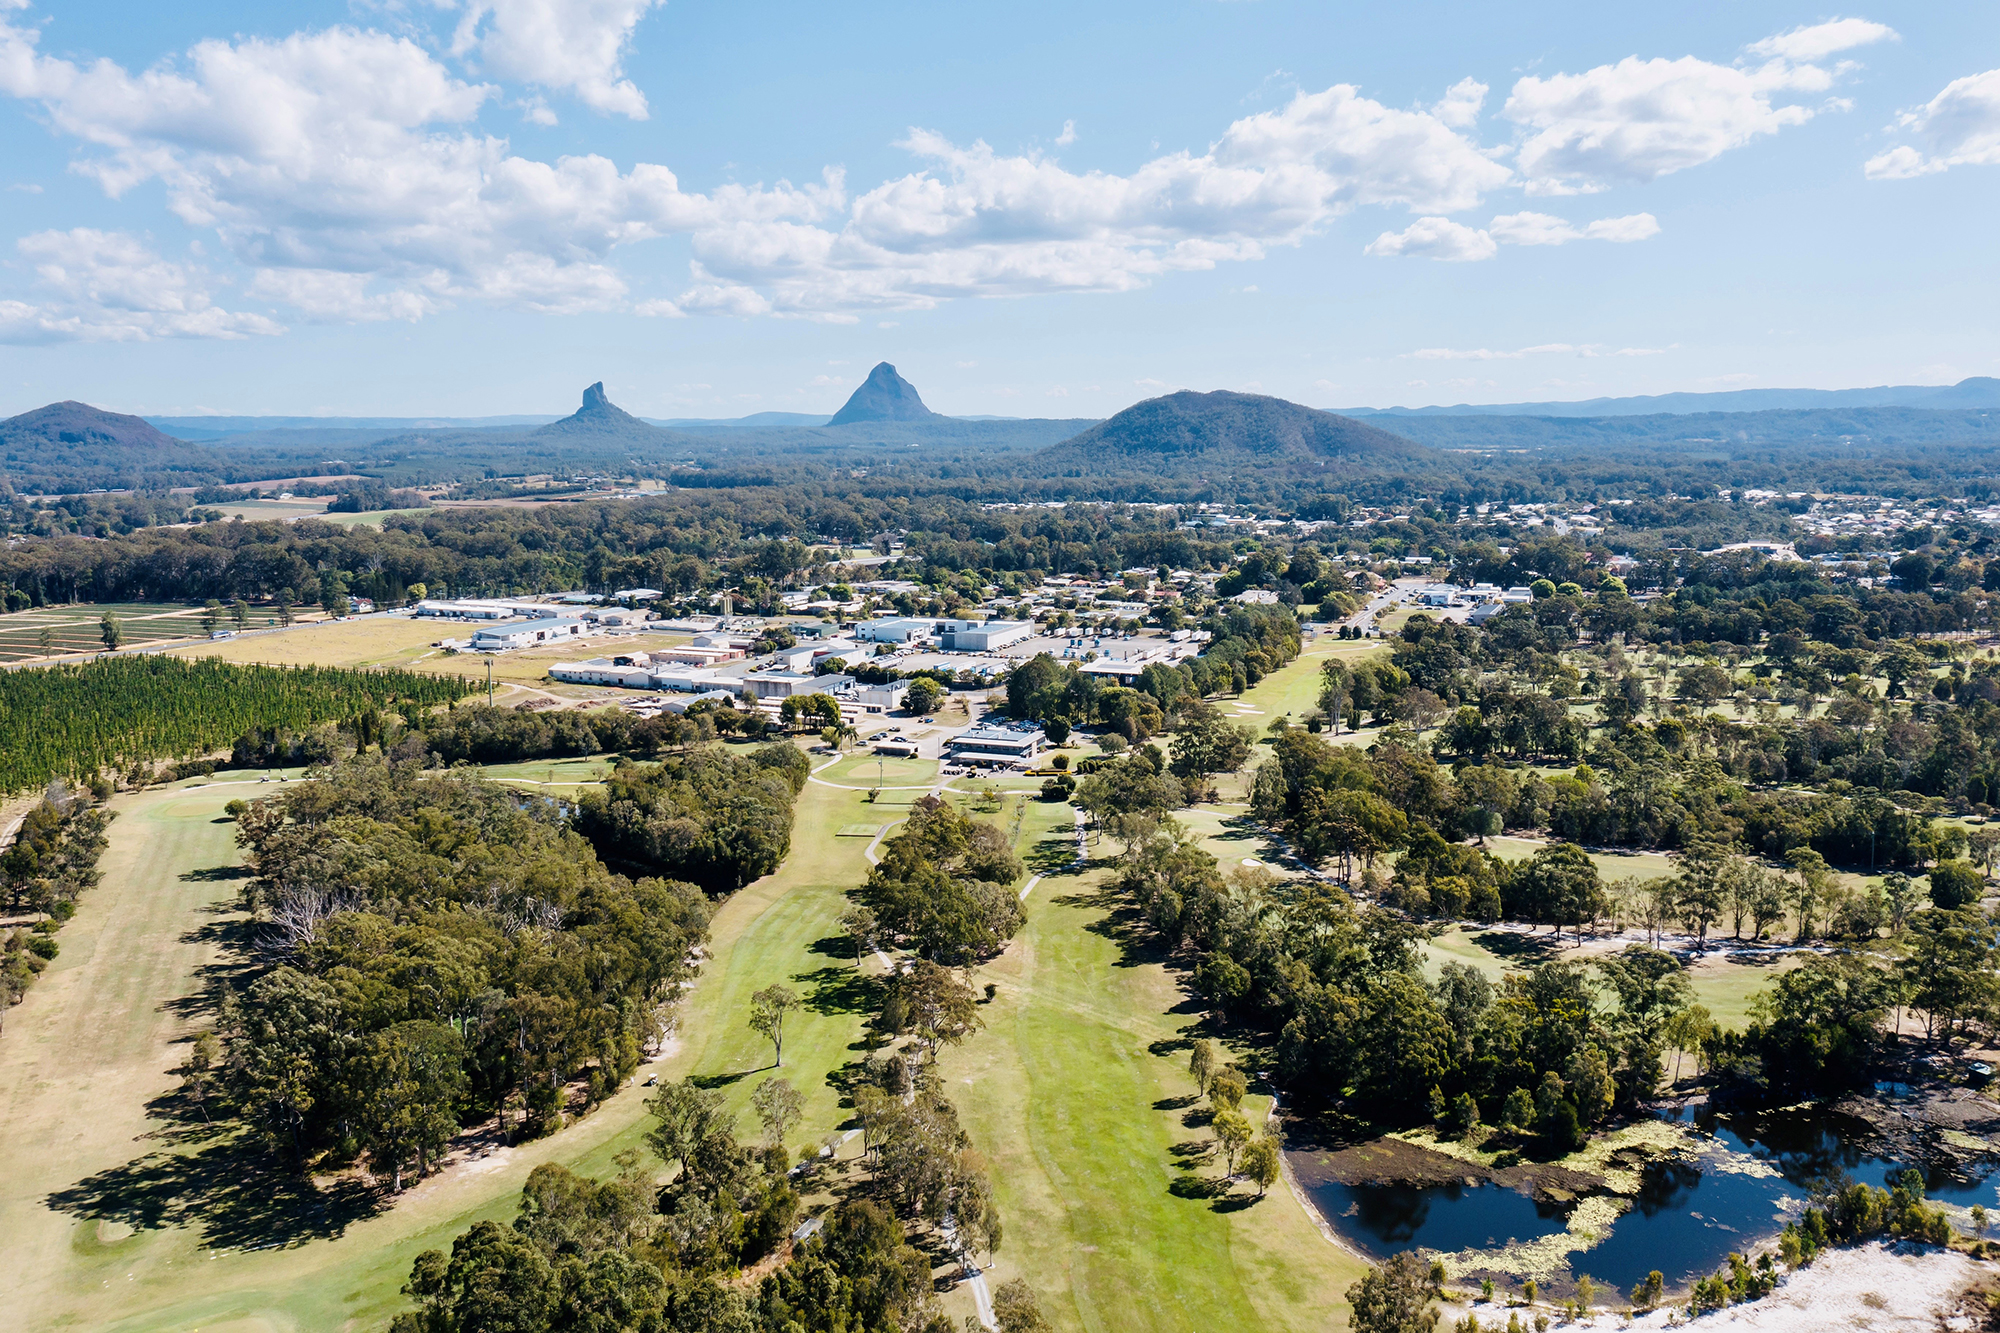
x=75, y=628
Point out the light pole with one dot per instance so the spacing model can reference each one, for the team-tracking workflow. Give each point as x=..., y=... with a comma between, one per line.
x=489, y=682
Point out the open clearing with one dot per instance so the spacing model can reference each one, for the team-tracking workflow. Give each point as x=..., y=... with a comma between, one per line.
x=405, y=641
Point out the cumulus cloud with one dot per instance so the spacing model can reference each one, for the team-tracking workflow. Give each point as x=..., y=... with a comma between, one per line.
x=1460, y=107
x=1638, y=120
x=343, y=167
x=1544, y=229
x=348, y=171
x=1443, y=239
x=1435, y=238
x=575, y=46
x=1960, y=126
x=103, y=286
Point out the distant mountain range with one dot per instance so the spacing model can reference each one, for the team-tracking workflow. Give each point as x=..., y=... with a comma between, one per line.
x=1979, y=391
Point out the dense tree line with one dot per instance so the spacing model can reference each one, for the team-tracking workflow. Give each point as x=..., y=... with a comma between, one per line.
x=716, y=818
x=944, y=885
x=75, y=721
x=52, y=861
x=442, y=951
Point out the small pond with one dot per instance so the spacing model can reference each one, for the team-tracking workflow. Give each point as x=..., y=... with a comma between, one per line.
x=1742, y=1179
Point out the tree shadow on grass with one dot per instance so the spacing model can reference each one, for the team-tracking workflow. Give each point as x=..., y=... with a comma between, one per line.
x=1175, y=1103
x=833, y=946
x=710, y=1082
x=237, y=1197
x=217, y=874
x=839, y=990
x=1197, y=1187
x=1234, y=1203
x=1518, y=948
x=1123, y=924
x=1052, y=854
x=231, y=940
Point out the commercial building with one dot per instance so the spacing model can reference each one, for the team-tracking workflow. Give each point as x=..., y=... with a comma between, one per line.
x=1009, y=743
x=693, y=655
x=480, y=609
x=980, y=636
x=603, y=671
x=527, y=634
x=880, y=698
x=893, y=629
x=785, y=684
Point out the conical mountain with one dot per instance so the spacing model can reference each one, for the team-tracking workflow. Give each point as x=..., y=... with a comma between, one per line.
x=883, y=396
x=598, y=416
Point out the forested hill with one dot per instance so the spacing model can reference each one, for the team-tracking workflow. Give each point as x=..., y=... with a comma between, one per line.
x=1205, y=430
x=45, y=448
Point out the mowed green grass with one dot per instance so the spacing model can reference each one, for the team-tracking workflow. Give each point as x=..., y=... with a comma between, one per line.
x=1059, y=1092
x=1074, y=1093
x=96, y=1038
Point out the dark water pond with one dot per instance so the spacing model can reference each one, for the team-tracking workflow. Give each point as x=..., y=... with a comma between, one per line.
x=1748, y=1176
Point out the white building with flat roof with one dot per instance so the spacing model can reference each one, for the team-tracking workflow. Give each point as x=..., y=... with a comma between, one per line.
x=980, y=636
x=1011, y=743
x=526, y=634
x=785, y=684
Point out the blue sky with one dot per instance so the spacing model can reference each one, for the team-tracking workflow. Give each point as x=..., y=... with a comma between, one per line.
x=479, y=206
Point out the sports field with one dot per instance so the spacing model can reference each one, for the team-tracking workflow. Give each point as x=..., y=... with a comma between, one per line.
x=76, y=628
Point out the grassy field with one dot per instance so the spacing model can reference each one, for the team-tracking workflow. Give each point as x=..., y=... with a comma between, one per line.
x=1294, y=688
x=142, y=1236
x=1077, y=1092
x=77, y=630
x=404, y=641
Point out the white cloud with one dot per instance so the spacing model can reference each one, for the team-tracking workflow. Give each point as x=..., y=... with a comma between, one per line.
x=1961, y=126
x=1441, y=238
x=1639, y=120
x=1460, y=107
x=1068, y=135
x=1544, y=229
x=348, y=171
x=1821, y=40
x=1435, y=238
x=1540, y=349
x=341, y=166
x=100, y=286
x=575, y=46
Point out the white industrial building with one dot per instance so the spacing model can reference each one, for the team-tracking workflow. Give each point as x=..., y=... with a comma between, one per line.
x=527, y=634
x=786, y=684
x=894, y=629
x=880, y=698
x=981, y=636
x=480, y=609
